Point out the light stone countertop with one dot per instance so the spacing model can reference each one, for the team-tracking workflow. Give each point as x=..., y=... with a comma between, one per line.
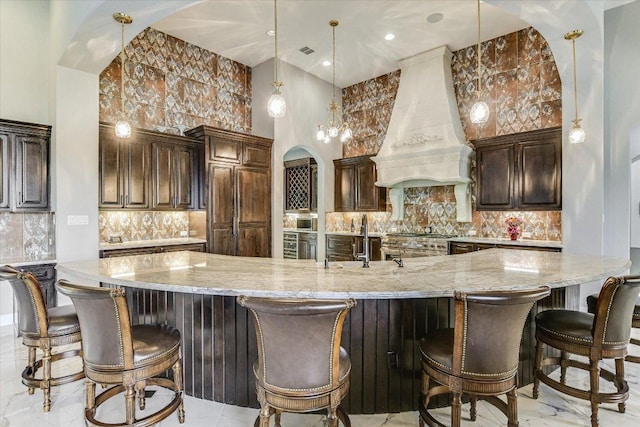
x=151, y=243
x=202, y=273
x=23, y=261
x=505, y=241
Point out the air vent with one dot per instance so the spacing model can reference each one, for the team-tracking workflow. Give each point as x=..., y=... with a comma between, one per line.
x=306, y=50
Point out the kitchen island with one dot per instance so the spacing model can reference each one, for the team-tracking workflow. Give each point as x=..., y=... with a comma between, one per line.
x=396, y=307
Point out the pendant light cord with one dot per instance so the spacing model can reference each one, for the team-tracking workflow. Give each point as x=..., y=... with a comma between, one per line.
x=575, y=81
x=479, y=52
x=122, y=61
x=275, y=19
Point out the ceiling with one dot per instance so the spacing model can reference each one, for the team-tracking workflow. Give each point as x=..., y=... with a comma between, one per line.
x=237, y=29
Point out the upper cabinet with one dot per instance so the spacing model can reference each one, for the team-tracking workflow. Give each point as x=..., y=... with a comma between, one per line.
x=150, y=170
x=301, y=185
x=520, y=171
x=355, y=189
x=24, y=166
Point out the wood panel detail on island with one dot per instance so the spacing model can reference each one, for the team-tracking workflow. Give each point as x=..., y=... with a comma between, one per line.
x=396, y=307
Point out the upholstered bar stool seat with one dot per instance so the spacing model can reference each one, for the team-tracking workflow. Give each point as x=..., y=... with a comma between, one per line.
x=479, y=356
x=127, y=358
x=43, y=329
x=592, y=301
x=301, y=366
x=603, y=335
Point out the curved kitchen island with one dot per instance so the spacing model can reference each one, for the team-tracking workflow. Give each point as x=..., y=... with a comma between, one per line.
x=396, y=307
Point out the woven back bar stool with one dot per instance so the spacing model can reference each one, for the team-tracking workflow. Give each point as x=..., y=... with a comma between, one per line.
x=43, y=330
x=301, y=366
x=127, y=358
x=479, y=356
x=603, y=335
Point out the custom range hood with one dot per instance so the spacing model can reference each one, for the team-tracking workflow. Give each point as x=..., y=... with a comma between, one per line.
x=425, y=144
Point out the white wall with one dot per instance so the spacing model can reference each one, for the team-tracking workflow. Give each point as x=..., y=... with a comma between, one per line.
x=307, y=100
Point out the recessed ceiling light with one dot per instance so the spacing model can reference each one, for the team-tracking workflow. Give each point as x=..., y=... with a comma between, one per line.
x=326, y=63
x=390, y=36
x=435, y=17
x=271, y=33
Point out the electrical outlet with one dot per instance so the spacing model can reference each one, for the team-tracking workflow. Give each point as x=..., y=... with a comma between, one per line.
x=526, y=234
x=184, y=234
x=472, y=232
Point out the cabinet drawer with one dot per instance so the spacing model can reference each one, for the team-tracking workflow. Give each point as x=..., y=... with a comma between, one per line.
x=42, y=272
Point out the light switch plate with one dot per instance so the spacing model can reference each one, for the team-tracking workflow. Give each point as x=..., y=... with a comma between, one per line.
x=472, y=232
x=78, y=220
x=184, y=234
x=526, y=234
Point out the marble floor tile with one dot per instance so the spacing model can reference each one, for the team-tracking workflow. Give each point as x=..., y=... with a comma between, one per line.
x=551, y=409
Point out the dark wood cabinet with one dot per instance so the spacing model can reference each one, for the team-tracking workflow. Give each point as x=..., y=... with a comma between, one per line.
x=455, y=248
x=238, y=197
x=342, y=247
x=194, y=247
x=301, y=185
x=174, y=176
x=46, y=275
x=520, y=171
x=24, y=166
x=150, y=170
x=307, y=246
x=355, y=189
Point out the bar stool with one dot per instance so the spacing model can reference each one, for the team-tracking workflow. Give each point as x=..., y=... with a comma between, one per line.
x=479, y=356
x=43, y=329
x=592, y=301
x=603, y=335
x=124, y=356
x=301, y=366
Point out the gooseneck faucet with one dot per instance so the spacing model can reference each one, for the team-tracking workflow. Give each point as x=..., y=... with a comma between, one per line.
x=365, y=243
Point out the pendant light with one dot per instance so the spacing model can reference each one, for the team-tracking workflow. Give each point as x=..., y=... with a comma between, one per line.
x=122, y=127
x=334, y=126
x=577, y=135
x=480, y=110
x=276, y=107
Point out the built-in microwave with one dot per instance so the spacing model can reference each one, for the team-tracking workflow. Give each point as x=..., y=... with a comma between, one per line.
x=307, y=223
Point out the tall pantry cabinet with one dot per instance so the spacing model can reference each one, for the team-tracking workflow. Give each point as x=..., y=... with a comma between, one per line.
x=238, y=195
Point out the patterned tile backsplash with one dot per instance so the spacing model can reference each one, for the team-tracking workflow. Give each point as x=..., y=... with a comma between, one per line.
x=171, y=85
x=142, y=225
x=29, y=236
x=435, y=207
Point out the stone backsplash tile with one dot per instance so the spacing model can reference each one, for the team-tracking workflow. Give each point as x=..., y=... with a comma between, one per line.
x=142, y=225
x=171, y=85
x=27, y=235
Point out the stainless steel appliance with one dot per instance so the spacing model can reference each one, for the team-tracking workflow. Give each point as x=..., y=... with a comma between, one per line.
x=411, y=245
x=290, y=247
x=307, y=224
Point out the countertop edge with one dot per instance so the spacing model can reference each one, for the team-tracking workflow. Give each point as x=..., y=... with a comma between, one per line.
x=150, y=243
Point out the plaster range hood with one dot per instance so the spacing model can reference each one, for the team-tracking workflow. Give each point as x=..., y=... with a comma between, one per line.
x=425, y=144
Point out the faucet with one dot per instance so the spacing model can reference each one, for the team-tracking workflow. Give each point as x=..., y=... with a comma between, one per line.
x=365, y=243
x=399, y=259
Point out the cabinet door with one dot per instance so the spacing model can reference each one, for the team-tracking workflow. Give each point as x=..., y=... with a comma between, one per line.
x=495, y=177
x=314, y=188
x=460, y=248
x=111, y=176
x=368, y=196
x=162, y=176
x=186, y=177
x=136, y=174
x=340, y=248
x=32, y=175
x=540, y=174
x=253, y=201
x=344, y=196
x=5, y=170
x=202, y=178
x=220, y=210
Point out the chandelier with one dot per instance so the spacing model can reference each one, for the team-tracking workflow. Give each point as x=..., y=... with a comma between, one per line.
x=334, y=126
x=276, y=107
x=122, y=127
x=577, y=135
x=480, y=110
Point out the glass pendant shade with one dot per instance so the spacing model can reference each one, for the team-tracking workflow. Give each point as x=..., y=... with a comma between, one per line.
x=123, y=129
x=333, y=131
x=320, y=134
x=346, y=134
x=577, y=135
x=479, y=112
x=276, y=107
